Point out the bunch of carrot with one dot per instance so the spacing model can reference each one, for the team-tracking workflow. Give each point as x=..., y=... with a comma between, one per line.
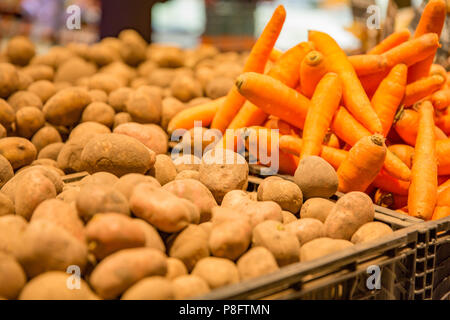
x=380, y=118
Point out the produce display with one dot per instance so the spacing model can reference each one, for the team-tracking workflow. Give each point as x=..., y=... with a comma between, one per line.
x=142, y=220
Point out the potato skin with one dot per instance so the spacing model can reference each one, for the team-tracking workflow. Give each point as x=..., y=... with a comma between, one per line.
x=371, y=231
x=316, y=208
x=187, y=162
x=151, y=288
x=316, y=178
x=6, y=205
x=286, y=193
x=101, y=177
x=99, y=112
x=359, y=203
x=6, y=171
x=152, y=237
x=306, y=229
x=118, y=98
x=119, y=271
x=321, y=247
x=12, y=276
x=44, y=89
x=88, y=128
x=288, y=217
x=45, y=136
x=189, y=286
x=217, y=272
x=152, y=136
x=256, y=262
x=9, y=81
x=144, y=108
x=18, y=151
x=164, y=169
x=128, y=182
x=7, y=114
x=52, y=285
x=175, y=268
x=28, y=121
x=11, y=229
x=20, y=50
x=50, y=151
x=117, y=154
x=342, y=223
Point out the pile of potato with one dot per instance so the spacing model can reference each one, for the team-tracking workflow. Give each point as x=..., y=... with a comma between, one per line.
x=142, y=225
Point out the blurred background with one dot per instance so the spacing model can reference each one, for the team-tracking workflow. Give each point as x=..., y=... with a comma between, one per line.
x=228, y=24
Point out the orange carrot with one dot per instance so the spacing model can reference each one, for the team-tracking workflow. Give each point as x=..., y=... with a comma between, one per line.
x=438, y=69
x=388, y=183
x=440, y=212
x=423, y=189
x=323, y=105
x=371, y=82
x=365, y=64
x=205, y=113
x=443, y=199
x=422, y=88
x=444, y=123
x=391, y=41
x=331, y=140
x=282, y=126
x=443, y=186
x=285, y=70
x=256, y=62
x=441, y=99
x=363, y=163
x=431, y=21
x=350, y=131
x=275, y=54
x=355, y=98
x=388, y=96
x=274, y=97
x=389, y=200
x=443, y=151
x=312, y=69
x=404, y=152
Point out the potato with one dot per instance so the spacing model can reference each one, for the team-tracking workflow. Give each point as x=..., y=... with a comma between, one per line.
x=316, y=178
x=164, y=169
x=132, y=52
x=151, y=135
x=146, y=67
x=6, y=206
x=256, y=262
x=66, y=106
x=32, y=189
x=56, y=56
x=119, y=70
x=39, y=72
x=79, y=49
x=69, y=195
x=288, y=217
x=161, y=77
x=11, y=230
x=170, y=107
x=20, y=50
x=306, y=229
x=168, y=57
x=190, y=245
x=101, y=54
x=7, y=114
x=198, y=140
x=28, y=121
x=185, y=88
x=44, y=89
x=89, y=128
x=21, y=99
x=162, y=209
x=25, y=80
x=6, y=171
x=218, y=87
x=3, y=132
x=110, y=232
x=128, y=182
x=205, y=75
x=359, y=203
x=45, y=136
x=69, y=157
x=371, y=231
x=61, y=214
x=12, y=276
x=316, y=208
x=187, y=162
x=217, y=272
x=151, y=288
x=321, y=247
x=282, y=244
x=74, y=69
x=152, y=237
x=46, y=246
x=139, y=82
x=50, y=151
x=222, y=170
x=188, y=174
x=52, y=164
x=286, y=193
x=121, y=118
x=118, y=98
x=342, y=223
x=98, y=96
x=175, y=268
x=98, y=198
x=231, y=233
x=117, y=154
x=99, y=112
x=105, y=178
x=53, y=285
x=144, y=108
x=9, y=80
x=196, y=192
x=119, y=271
x=189, y=286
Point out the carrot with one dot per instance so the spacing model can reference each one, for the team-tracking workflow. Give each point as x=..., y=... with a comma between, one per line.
x=363, y=163
x=440, y=212
x=312, y=69
x=390, y=200
x=444, y=123
x=388, y=183
x=443, y=199
x=274, y=97
x=331, y=140
x=285, y=69
x=365, y=64
x=371, y=82
x=275, y=54
x=323, y=105
x=441, y=99
x=355, y=98
x=443, y=186
x=443, y=151
x=282, y=126
x=350, y=131
x=431, y=21
x=205, y=113
x=423, y=189
x=438, y=69
x=256, y=62
x=422, y=88
x=407, y=123
x=404, y=152
x=388, y=96
x=391, y=41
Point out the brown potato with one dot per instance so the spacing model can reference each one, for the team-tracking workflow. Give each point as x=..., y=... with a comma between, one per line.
x=288, y=217
x=316, y=208
x=69, y=157
x=164, y=169
x=88, y=128
x=342, y=223
x=98, y=96
x=133, y=52
x=144, y=108
x=105, y=82
x=286, y=193
x=175, y=268
x=99, y=112
x=371, y=231
x=151, y=135
x=188, y=174
x=9, y=82
x=282, y=244
x=21, y=99
x=6, y=171
x=152, y=237
x=119, y=70
x=50, y=151
x=151, y=288
x=105, y=178
x=44, y=89
x=98, y=198
x=306, y=229
x=12, y=276
x=359, y=203
x=28, y=121
x=117, y=154
x=69, y=195
x=128, y=182
x=218, y=87
x=6, y=205
x=316, y=178
x=102, y=54
x=256, y=262
x=146, y=67
x=25, y=80
x=121, y=118
x=73, y=70
x=39, y=72
x=11, y=231
x=321, y=247
x=7, y=114
x=47, y=246
x=45, y=136
x=56, y=56
x=167, y=56
x=162, y=77
x=110, y=232
x=189, y=286
x=20, y=50
x=187, y=162
x=52, y=285
x=185, y=88
x=170, y=107
x=217, y=272
x=119, y=271
x=3, y=132
x=118, y=98
x=162, y=209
